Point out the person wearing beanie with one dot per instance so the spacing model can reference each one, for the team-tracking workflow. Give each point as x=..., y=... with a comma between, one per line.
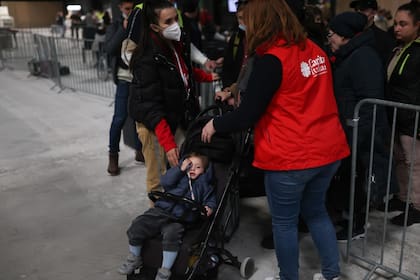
x=354, y=80
x=348, y=24
x=384, y=42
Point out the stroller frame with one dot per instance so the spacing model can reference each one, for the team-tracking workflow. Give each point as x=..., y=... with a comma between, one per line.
x=211, y=251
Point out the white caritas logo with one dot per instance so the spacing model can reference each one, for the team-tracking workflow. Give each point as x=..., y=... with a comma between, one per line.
x=314, y=67
x=305, y=69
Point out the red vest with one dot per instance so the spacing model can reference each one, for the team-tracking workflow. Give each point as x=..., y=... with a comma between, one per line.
x=300, y=128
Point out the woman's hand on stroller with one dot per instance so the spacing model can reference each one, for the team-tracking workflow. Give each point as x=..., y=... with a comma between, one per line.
x=173, y=156
x=208, y=131
x=224, y=95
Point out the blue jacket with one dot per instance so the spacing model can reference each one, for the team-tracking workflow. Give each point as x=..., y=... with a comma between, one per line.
x=176, y=182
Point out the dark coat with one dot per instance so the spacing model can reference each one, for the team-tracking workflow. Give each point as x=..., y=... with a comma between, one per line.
x=359, y=74
x=233, y=58
x=176, y=182
x=115, y=34
x=404, y=86
x=384, y=43
x=157, y=90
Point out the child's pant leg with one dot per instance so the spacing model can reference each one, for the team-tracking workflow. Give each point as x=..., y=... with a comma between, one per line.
x=172, y=236
x=146, y=226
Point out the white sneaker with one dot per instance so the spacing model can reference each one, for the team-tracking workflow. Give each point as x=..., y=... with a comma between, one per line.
x=319, y=276
x=272, y=278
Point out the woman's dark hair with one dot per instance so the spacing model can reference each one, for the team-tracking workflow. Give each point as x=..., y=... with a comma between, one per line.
x=413, y=9
x=150, y=14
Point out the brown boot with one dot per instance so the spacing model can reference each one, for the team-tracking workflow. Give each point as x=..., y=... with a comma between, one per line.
x=113, y=168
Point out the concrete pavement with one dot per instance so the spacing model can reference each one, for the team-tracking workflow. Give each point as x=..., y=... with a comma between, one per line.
x=63, y=218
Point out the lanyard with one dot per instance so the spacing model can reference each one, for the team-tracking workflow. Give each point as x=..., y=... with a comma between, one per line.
x=181, y=71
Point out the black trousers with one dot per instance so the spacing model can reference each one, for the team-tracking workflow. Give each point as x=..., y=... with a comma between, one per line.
x=338, y=195
x=155, y=222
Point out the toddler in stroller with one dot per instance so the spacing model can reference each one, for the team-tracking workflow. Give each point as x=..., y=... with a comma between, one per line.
x=202, y=249
x=191, y=179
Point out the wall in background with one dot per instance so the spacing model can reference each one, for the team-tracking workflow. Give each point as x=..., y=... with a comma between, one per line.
x=33, y=13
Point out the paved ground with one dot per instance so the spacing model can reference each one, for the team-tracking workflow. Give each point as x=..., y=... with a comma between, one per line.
x=63, y=218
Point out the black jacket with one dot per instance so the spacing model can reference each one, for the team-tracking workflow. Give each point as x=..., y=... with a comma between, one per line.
x=157, y=90
x=404, y=86
x=115, y=34
x=384, y=43
x=359, y=74
x=233, y=58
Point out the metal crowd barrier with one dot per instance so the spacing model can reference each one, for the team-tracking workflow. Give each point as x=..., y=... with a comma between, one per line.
x=69, y=63
x=386, y=249
x=88, y=65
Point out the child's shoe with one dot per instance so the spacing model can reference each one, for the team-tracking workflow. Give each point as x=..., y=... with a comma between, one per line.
x=163, y=274
x=131, y=264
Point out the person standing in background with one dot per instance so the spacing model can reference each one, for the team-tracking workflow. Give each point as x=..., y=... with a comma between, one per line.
x=115, y=34
x=351, y=46
x=76, y=20
x=384, y=43
x=59, y=20
x=404, y=86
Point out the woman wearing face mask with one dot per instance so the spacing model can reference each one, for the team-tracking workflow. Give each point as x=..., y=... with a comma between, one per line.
x=161, y=87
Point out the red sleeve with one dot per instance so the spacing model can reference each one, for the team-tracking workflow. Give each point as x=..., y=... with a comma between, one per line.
x=202, y=76
x=164, y=135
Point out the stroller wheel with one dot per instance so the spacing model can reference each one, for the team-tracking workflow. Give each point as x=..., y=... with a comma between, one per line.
x=247, y=268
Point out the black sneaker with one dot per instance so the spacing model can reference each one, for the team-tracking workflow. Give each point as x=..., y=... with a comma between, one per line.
x=413, y=217
x=357, y=233
x=394, y=204
x=139, y=158
x=268, y=242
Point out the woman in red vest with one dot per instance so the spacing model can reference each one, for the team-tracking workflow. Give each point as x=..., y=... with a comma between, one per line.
x=299, y=141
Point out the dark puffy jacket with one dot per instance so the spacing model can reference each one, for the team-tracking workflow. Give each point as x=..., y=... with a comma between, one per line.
x=233, y=58
x=404, y=86
x=157, y=90
x=359, y=74
x=384, y=43
x=115, y=34
x=176, y=182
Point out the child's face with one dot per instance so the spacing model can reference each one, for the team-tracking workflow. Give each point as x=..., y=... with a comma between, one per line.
x=197, y=167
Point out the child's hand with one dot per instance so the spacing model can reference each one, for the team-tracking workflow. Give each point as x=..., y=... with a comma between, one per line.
x=209, y=211
x=185, y=164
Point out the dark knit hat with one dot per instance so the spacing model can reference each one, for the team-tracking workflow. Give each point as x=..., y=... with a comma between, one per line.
x=348, y=24
x=364, y=4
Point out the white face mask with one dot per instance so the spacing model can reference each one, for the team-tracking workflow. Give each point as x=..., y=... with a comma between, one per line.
x=172, y=32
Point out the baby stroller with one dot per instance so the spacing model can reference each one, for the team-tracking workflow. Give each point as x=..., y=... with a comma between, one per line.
x=203, y=248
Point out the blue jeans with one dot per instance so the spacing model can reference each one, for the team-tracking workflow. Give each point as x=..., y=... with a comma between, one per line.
x=120, y=115
x=291, y=193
